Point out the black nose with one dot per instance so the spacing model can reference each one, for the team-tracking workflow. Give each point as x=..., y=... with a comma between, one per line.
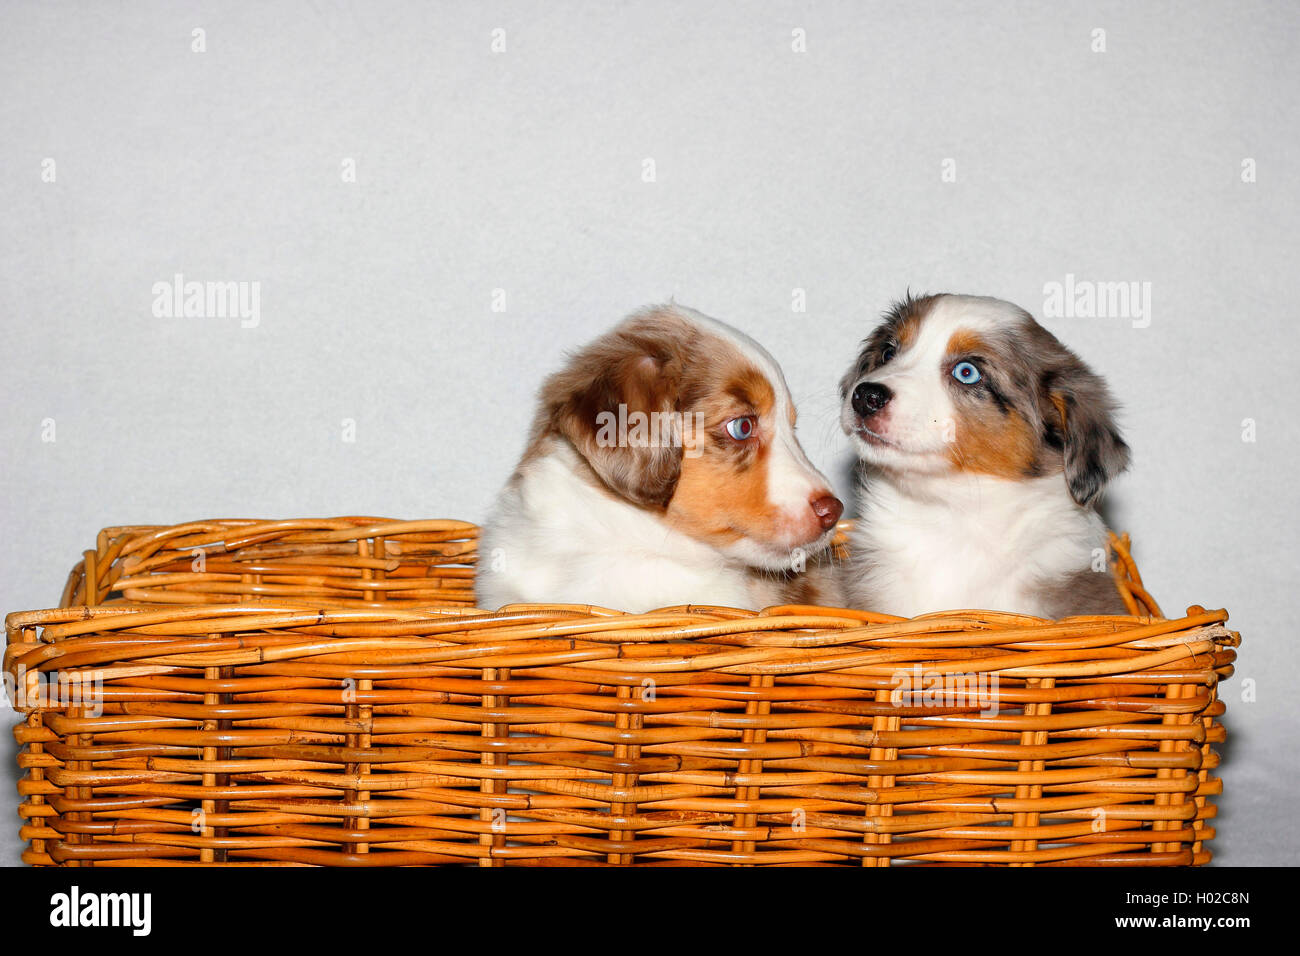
x=870, y=397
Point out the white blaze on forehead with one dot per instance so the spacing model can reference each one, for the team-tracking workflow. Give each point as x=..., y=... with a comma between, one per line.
x=947, y=316
x=978, y=312
x=760, y=357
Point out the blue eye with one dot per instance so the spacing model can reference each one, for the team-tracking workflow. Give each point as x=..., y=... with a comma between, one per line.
x=966, y=373
x=741, y=428
x=887, y=353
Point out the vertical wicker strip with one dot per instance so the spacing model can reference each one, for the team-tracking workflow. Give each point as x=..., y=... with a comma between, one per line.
x=1030, y=792
x=621, y=780
x=877, y=811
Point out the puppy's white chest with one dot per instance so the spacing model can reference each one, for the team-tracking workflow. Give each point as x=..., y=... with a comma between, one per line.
x=987, y=547
x=931, y=569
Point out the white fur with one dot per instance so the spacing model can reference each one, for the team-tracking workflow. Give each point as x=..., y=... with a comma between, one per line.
x=554, y=538
x=967, y=541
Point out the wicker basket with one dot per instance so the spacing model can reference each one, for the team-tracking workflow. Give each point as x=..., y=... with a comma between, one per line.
x=322, y=692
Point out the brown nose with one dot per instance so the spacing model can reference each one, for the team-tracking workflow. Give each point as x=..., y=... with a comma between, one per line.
x=828, y=509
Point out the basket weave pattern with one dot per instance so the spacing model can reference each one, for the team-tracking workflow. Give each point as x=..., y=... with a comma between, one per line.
x=323, y=692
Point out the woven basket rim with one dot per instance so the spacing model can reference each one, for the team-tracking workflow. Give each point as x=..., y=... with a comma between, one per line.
x=137, y=543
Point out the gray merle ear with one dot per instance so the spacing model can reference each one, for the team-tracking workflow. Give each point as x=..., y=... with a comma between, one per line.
x=1080, y=415
x=583, y=401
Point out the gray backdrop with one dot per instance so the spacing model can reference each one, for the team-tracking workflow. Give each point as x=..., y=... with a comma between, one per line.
x=432, y=220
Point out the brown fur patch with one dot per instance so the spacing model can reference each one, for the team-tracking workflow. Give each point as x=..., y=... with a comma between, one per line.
x=991, y=443
x=1059, y=403
x=721, y=494
x=909, y=327
x=964, y=342
x=721, y=498
x=640, y=365
x=748, y=386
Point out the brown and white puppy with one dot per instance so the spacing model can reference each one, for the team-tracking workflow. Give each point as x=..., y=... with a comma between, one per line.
x=984, y=444
x=662, y=469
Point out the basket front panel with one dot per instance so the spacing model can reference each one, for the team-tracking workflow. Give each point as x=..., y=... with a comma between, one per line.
x=242, y=734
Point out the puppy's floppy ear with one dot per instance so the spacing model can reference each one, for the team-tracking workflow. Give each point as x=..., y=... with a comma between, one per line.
x=582, y=403
x=1080, y=414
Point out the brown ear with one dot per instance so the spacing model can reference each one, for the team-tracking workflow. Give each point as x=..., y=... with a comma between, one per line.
x=615, y=405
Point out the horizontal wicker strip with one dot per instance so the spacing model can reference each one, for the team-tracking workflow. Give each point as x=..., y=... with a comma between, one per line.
x=322, y=692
